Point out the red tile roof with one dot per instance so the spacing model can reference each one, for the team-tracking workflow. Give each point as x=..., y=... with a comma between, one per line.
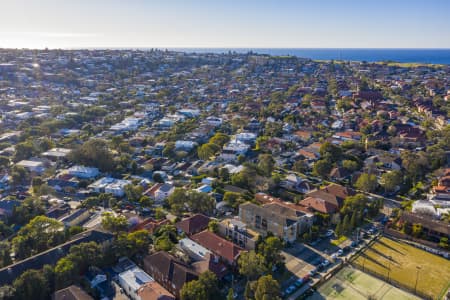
x=319, y=205
x=193, y=224
x=219, y=246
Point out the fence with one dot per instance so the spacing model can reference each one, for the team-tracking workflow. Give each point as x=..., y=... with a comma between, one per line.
x=418, y=243
x=390, y=280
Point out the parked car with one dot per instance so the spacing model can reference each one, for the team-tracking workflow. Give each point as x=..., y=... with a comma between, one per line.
x=290, y=290
x=325, y=263
x=299, y=282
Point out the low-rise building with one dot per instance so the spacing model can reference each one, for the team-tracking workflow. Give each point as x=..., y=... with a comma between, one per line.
x=239, y=233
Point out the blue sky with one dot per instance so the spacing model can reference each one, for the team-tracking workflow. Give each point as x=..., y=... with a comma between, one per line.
x=227, y=23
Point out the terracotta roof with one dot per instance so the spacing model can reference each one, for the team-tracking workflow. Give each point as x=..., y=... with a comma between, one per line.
x=193, y=224
x=72, y=292
x=333, y=194
x=154, y=291
x=319, y=205
x=168, y=271
x=219, y=246
x=210, y=263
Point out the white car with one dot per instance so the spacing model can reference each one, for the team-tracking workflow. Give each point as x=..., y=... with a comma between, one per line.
x=329, y=233
x=325, y=263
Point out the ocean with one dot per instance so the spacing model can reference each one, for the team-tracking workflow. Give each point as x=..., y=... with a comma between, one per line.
x=429, y=56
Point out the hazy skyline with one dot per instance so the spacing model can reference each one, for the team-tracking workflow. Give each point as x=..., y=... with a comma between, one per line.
x=225, y=24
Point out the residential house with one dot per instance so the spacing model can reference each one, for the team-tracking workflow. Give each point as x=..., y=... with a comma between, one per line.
x=83, y=172
x=193, y=225
x=138, y=285
x=72, y=292
x=168, y=271
x=220, y=247
x=163, y=191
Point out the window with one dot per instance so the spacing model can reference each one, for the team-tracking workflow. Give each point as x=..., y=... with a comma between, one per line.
x=264, y=224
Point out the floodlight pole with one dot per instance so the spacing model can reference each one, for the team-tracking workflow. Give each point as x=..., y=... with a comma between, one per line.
x=417, y=278
x=389, y=268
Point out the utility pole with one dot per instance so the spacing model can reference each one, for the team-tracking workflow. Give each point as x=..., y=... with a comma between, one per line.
x=417, y=278
x=389, y=268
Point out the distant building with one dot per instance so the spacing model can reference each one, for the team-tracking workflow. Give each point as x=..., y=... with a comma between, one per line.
x=83, y=172
x=32, y=166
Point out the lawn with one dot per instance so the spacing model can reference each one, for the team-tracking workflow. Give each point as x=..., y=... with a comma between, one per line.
x=404, y=263
x=353, y=284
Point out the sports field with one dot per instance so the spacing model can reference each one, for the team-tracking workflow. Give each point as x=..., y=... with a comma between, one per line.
x=350, y=283
x=407, y=265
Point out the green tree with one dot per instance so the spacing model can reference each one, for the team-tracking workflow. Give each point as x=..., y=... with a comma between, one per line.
x=251, y=265
x=266, y=164
x=133, y=193
x=353, y=203
x=201, y=202
x=114, y=223
x=267, y=288
x=232, y=199
x=354, y=219
x=205, y=288
x=207, y=150
x=322, y=168
x=230, y=295
x=390, y=180
x=350, y=165
x=220, y=139
x=213, y=226
x=38, y=235
x=5, y=255
x=367, y=182
x=270, y=249
x=193, y=290
x=94, y=153
x=177, y=200
x=146, y=201
x=338, y=230
x=300, y=166
x=346, y=227
x=31, y=285
x=330, y=152
x=65, y=271
x=23, y=150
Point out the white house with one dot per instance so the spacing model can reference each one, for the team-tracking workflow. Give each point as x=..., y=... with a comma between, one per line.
x=83, y=172
x=132, y=280
x=214, y=121
x=233, y=149
x=110, y=185
x=32, y=166
x=185, y=145
x=246, y=137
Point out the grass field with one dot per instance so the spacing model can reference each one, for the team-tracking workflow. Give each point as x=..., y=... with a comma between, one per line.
x=404, y=264
x=353, y=284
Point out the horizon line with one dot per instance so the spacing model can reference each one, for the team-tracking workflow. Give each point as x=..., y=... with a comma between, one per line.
x=219, y=48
